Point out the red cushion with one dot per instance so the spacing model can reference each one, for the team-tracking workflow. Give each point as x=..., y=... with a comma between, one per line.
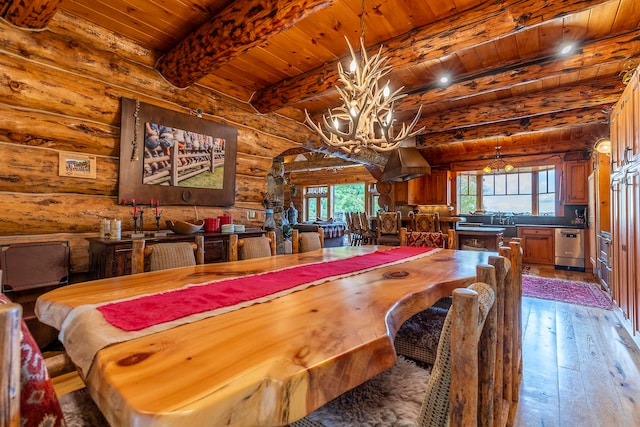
x=39, y=404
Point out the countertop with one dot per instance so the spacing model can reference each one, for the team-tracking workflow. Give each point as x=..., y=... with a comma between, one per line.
x=486, y=230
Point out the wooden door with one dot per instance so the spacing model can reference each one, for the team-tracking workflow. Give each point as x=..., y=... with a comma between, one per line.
x=416, y=191
x=635, y=101
x=633, y=181
x=592, y=230
x=437, y=188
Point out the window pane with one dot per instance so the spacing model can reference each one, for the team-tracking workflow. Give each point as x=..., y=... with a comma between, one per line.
x=348, y=198
x=543, y=182
x=488, y=184
x=501, y=184
x=513, y=183
x=526, y=182
x=546, y=204
x=324, y=208
x=510, y=203
x=467, y=204
x=312, y=208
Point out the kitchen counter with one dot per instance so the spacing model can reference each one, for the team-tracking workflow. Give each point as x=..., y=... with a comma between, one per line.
x=483, y=229
x=579, y=226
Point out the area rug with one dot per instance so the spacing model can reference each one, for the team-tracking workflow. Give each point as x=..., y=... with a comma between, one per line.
x=568, y=291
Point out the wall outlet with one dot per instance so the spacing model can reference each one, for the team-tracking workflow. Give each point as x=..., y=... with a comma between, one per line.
x=251, y=214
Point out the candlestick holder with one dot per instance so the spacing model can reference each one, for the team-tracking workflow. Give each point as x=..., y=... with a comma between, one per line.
x=141, y=211
x=135, y=224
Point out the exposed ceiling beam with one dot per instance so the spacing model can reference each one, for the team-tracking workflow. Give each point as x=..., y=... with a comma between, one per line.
x=238, y=28
x=521, y=107
x=537, y=123
x=432, y=42
x=325, y=163
x=616, y=52
x=34, y=14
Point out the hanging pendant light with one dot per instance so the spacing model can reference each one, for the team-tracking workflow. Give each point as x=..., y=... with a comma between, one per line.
x=497, y=164
x=366, y=116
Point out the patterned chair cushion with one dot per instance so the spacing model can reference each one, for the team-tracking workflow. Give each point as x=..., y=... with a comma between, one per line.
x=39, y=405
x=430, y=240
x=418, y=337
x=427, y=222
x=388, y=223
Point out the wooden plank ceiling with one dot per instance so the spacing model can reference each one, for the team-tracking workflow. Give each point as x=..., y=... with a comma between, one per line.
x=509, y=85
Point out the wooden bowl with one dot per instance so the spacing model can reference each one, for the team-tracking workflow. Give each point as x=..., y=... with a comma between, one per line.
x=183, y=227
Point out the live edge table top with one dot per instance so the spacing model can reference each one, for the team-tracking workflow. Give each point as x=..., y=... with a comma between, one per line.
x=263, y=365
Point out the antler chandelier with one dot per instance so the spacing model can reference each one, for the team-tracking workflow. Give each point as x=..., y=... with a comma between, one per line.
x=366, y=116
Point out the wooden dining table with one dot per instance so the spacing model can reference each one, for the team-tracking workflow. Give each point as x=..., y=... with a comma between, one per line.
x=267, y=364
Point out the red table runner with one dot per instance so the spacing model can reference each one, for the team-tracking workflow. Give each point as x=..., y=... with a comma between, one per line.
x=149, y=310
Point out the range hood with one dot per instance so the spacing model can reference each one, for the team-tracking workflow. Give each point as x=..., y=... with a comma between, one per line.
x=405, y=163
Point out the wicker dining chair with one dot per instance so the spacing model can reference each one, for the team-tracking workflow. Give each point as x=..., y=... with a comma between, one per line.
x=369, y=235
x=457, y=392
x=307, y=241
x=162, y=256
x=252, y=247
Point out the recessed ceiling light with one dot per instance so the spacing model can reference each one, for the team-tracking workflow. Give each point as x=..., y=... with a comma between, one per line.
x=566, y=49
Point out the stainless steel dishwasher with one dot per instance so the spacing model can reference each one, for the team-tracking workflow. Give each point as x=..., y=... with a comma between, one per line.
x=569, y=249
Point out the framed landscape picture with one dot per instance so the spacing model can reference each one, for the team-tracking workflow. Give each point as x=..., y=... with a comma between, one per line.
x=175, y=157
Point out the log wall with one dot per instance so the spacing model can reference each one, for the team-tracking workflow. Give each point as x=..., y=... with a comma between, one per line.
x=60, y=90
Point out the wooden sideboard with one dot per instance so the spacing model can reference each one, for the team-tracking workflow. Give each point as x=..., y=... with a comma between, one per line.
x=109, y=258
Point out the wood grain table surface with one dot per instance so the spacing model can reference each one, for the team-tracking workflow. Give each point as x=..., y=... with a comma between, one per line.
x=263, y=365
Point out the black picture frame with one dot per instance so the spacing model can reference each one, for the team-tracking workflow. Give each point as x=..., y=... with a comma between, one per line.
x=134, y=116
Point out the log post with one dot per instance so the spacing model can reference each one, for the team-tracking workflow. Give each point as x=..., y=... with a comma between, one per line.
x=233, y=247
x=137, y=256
x=10, y=316
x=487, y=352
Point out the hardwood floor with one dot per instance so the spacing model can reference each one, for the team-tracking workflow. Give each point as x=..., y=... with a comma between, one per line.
x=580, y=366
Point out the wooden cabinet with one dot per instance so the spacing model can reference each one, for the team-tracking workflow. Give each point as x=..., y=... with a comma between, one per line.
x=604, y=260
x=431, y=189
x=480, y=239
x=110, y=258
x=416, y=193
x=575, y=183
x=538, y=245
x=437, y=188
x=625, y=126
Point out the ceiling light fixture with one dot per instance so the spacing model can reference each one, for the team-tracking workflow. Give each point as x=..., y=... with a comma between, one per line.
x=603, y=145
x=566, y=49
x=366, y=116
x=497, y=164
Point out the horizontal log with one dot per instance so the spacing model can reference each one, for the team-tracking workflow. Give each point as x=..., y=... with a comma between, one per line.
x=45, y=130
x=108, y=77
x=545, y=102
x=539, y=123
x=28, y=214
x=33, y=170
